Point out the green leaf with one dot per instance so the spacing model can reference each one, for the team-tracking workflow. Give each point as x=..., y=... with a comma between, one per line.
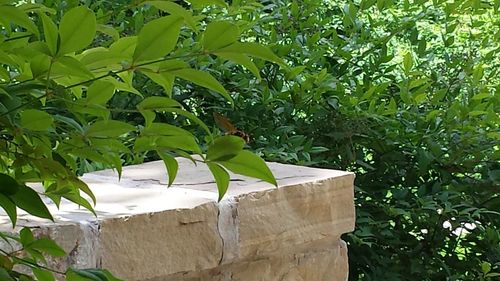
x=477, y=74
x=221, y=177
x=162, y=129
x=175, y=10
x=124, y=46
x=108, y=128
x=150, y=143
x=100, y=92
x=77, y=29
x=251, y=49
x=199, y=4
x=4, y=275
x=248, y=164
x=219, y=34
x=29, y=200
x=108, y=30
x=8, y=185
x=79, y=200
x=242, y=60
x=170, y=164
x=408, y=62
x=36, y=120
x=67, y=65
x=82, y=185
x=191, y=117
x=43, y=275
x=47, y=246
x=26, y=236
x=157, y=38
x=9, y=207
x=73, y=274
x=11, y=14
x=50, y=33
x=158, y=103
x=102, y=60
x=166, y=80
x=203, y=79
x=225, y=148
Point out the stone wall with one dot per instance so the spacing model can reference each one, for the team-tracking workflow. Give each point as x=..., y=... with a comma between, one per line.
x=148, y=232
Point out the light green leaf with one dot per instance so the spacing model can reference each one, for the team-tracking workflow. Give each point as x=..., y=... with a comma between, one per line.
x=162, y=129
x=251, y=49
x=124, y=46
x=175, y=10
x=77, y=29
x=248, y=164
x=121, y=86
x=158, y=103
x=243, y=60
x=219, y=34
x=11, y=14
x=100, y=92
x=80, y=201
x=108, y=128
x=170, y=164
x=157, y=38
x=50, y=33
x=108, y=30
x=191, y=117
x=67, y=65
x=477, y=74
x=166, y=80
x=225, y=148
x=221, y=177
x=36, y=120
x=147, y=143
x=29, y=200
x=102, y=60
x=408, y=62
x=203, y=79
x=199, y=4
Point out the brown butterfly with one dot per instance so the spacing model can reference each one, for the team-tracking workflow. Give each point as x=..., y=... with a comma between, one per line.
x=229, y=128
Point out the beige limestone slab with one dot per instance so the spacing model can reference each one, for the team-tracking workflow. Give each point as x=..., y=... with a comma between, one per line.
x=144, y=230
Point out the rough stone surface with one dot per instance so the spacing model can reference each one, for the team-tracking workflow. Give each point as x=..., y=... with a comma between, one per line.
x=145, y=231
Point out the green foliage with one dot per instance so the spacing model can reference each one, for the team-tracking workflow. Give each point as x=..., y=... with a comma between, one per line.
x=403, y=93
x=82, y=89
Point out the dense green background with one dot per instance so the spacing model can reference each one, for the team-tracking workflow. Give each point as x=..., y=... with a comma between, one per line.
x=403, y=93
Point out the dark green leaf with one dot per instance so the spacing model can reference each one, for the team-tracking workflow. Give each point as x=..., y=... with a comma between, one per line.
x=9, y=207
x=47, y=246
x=8, y=185
x=43, y=275
x=29, y=200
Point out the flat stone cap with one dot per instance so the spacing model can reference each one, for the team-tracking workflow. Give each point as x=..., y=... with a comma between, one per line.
x=145, y=231
x=143, y=189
